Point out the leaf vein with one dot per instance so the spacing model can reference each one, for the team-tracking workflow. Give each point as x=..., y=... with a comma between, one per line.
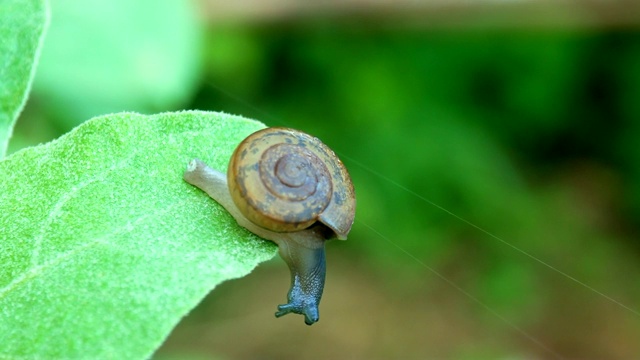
x=39, y=269
x=64, y=199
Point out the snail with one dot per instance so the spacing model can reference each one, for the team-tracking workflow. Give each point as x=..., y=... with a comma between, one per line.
x=287, y=187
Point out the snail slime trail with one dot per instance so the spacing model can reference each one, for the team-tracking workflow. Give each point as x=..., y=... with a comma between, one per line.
x=263, y=114
x=287, y=187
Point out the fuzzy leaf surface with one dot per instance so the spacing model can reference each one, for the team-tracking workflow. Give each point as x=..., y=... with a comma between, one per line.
x=104, y=246
x=22, y=28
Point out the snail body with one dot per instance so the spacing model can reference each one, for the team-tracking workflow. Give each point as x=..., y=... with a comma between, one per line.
x=288, y=187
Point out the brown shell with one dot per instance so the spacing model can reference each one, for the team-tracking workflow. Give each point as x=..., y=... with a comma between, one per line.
x=285, y=180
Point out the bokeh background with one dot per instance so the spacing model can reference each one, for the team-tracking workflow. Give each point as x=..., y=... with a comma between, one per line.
x=494, y=146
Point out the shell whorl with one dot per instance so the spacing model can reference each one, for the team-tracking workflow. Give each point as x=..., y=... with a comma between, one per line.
x=285, y=180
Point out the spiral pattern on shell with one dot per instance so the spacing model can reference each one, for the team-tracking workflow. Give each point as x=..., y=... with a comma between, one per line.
x=285, y=180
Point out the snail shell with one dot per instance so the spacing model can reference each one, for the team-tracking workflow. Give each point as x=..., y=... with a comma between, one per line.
x=284, y=180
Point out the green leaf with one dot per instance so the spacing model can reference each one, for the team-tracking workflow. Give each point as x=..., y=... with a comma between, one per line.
x=105, y=56
x=104, y=246
x=22, y=28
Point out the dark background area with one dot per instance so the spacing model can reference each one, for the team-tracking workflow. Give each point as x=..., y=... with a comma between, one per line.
x=494, y=150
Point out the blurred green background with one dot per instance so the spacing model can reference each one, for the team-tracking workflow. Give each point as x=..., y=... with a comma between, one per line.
x=489, y=143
